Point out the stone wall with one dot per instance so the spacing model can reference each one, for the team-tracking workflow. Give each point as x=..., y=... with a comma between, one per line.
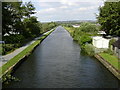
x=109, y=66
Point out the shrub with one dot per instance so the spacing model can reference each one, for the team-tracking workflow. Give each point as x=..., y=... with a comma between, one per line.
x=14, y=39
x=88, y=27
x=6, y=48
x=89, y=49
x=84, y=39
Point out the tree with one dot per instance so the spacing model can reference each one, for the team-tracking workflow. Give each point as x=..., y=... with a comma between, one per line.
x=84, y=39
x=11, y=17
x=48, y=26
x=32, y=27
x=17, y=20
x=109, y=18
x=88, y=27
x=28, y=9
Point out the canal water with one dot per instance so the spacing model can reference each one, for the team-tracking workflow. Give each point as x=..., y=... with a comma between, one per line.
x=58, y=63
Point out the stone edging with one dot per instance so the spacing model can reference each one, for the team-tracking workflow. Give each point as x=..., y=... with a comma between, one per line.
x=113, y=70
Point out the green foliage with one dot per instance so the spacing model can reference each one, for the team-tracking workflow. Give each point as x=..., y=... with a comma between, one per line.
x=8, y=78
x=11, y=17
x=111, y=41
x=28, y=9
x=84, y=39
x=48, y=26
x=83, y=36
x=15, y=38
x=32, y=27
x=88, y=27
x=109, y=18
x=18, y=24
x=89, y=49
x=17, y=19
x=68, y=25
x=7, y=48
x=70, y=30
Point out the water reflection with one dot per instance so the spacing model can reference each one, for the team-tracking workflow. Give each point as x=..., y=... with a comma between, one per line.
x=58, y=63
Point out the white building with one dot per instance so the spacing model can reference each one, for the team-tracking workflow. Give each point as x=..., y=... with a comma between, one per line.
x=76, y=26
x=100, y=42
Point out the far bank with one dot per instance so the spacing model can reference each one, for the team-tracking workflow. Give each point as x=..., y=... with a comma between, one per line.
x=111, y=62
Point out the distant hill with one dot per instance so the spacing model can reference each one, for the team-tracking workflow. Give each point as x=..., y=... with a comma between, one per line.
x=75, y=21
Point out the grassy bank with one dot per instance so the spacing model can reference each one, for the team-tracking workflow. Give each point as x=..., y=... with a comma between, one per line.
x=70, y=30
x=107, y=58
x=12, y=62
x=83, y=39
x=113, y=60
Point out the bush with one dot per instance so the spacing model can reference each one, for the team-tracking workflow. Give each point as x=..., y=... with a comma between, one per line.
x=14, y=39
x=89, y=49
x=84, y=32
x=85, y=39
x=6, y=48
x=77, y=34
x=48, y=26
x=88, y=27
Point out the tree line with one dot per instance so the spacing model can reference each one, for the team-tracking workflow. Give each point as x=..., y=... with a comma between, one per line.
x=19, y=25
x=18, y=22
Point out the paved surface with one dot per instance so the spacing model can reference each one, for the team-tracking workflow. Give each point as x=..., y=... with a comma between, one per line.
x=4, y=59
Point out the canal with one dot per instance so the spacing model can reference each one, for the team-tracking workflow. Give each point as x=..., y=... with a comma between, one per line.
x=58, y=63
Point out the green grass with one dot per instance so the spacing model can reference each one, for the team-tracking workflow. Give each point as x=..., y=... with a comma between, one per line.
x=70, y=30
x=110, y=58
x=18, y=57
x=0, y=49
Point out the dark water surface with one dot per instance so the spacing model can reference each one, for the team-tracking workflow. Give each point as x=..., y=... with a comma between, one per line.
x=57, y=63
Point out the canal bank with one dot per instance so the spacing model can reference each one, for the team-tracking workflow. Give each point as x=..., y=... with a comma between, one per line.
x=106, y=64
x=110, y=67
x=58, y=63
x=14, y=62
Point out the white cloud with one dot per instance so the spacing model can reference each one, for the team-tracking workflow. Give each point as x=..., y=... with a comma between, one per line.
x=63, y=7
x=87, y=8
x=67, y=2
x=49, y=9
x=64, y=1
x=56, y=11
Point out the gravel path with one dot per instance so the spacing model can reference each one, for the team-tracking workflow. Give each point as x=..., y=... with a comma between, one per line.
x=4, y=59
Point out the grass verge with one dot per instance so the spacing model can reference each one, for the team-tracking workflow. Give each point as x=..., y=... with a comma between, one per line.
x=70, y=30
x=113, y=60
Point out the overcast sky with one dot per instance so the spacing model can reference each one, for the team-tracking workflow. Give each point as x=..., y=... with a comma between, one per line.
x=66, y=9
